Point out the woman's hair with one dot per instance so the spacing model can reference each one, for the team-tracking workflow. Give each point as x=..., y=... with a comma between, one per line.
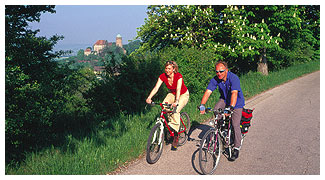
x=173, y=63
x=222, y=62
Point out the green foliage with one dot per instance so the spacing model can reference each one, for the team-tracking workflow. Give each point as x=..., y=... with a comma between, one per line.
x=64, y=113
x=125, y=88
x=196, y=66
x=43, y=101
x=132, y=46
x=112, y=145
x=239, y=34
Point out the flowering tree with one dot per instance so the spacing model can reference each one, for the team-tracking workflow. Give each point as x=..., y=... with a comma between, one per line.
x=241, y=35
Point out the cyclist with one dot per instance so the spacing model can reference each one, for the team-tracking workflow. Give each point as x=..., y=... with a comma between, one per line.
x=178, y=95
x=231, y=99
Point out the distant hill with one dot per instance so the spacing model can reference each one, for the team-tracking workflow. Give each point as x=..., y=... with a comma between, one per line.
x=74, y=47
x=130, y=47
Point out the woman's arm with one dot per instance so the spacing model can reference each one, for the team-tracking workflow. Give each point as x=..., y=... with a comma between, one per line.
x=154, y=90
x=178, y=90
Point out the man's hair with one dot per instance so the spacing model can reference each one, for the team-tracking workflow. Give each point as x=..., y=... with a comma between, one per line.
x=222, y=62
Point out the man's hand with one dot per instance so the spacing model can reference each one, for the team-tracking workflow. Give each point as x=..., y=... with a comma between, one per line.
x=229, y=110
x=202, y=109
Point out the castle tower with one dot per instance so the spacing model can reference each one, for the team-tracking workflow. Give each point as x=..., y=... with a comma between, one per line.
x=119, y=41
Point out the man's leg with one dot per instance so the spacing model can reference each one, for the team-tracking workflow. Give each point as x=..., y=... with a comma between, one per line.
x=236, y=117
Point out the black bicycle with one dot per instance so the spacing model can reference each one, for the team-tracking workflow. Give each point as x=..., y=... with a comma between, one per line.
x=216, y=141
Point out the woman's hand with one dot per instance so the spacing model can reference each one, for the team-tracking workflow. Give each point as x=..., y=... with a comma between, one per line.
x=148, y=100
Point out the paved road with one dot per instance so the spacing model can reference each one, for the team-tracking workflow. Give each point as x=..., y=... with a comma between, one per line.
x=284, y=137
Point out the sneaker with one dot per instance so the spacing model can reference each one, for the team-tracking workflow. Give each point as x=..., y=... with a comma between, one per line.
x=234, y=155
x=175, y=141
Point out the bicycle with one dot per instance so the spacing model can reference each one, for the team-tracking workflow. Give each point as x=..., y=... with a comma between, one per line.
x=216, y=141
x=156, y=138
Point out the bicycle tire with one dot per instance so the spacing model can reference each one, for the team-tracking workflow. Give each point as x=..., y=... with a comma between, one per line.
x=154, y=148
x=183, y=136
x=209, y=154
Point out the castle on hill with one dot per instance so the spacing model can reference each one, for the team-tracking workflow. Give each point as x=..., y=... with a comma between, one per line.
x=101, y=44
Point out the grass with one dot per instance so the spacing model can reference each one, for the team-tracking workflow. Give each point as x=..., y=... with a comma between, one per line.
x=108, y=148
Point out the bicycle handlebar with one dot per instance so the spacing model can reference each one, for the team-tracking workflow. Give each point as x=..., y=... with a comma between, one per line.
x=167, y=106
x=219, y=111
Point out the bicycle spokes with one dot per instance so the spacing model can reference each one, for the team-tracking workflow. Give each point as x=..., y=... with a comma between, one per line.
x=210, y=151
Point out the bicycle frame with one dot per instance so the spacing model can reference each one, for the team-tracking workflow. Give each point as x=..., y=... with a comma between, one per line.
x=163, y=111
x=217, y=127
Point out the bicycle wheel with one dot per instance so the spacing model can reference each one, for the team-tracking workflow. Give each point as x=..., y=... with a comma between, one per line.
x=210, y=152
x=155, y=144
x=183, y=136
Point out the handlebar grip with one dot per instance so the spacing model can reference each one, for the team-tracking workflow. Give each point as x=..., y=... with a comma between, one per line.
x=207, y=110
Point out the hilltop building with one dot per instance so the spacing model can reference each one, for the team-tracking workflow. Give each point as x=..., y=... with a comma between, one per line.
x=87, y=51
x=101, y=44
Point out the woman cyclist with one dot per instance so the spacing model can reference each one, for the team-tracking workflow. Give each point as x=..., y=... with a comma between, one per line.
x=178, y=95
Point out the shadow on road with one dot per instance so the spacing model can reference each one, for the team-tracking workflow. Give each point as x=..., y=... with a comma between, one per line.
x=202, y=128
x=196, y=133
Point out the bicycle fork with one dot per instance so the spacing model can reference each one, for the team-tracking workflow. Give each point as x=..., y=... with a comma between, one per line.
x=160, y=133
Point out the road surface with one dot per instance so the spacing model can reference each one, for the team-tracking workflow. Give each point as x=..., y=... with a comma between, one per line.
x=284, y=138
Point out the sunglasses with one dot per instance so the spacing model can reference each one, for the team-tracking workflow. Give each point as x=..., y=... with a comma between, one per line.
x=221, y=71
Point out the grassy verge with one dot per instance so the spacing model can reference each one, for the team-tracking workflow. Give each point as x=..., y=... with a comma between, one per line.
x=110, y=147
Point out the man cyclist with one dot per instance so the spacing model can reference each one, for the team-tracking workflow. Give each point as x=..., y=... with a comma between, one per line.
x=231, y=99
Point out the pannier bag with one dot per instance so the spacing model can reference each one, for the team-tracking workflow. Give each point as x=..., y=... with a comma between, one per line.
x=245, y=121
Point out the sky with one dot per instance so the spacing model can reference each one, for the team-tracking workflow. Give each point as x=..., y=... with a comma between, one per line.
x=83, y=25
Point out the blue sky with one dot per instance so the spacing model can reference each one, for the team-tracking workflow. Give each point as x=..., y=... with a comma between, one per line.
x=85, y=24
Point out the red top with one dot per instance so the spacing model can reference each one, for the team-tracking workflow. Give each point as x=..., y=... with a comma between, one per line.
x=172, y=87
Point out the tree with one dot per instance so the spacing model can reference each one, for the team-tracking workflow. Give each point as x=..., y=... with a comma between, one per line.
x=226, y=29
x=22, y=46
x=35, y=90
x=81, y=54
x=242, y=35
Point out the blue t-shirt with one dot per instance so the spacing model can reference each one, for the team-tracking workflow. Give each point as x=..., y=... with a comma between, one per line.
x=225, y=88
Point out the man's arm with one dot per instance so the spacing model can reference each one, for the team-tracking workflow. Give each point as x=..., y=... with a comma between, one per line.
x=205, y=98
x=233, y=100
